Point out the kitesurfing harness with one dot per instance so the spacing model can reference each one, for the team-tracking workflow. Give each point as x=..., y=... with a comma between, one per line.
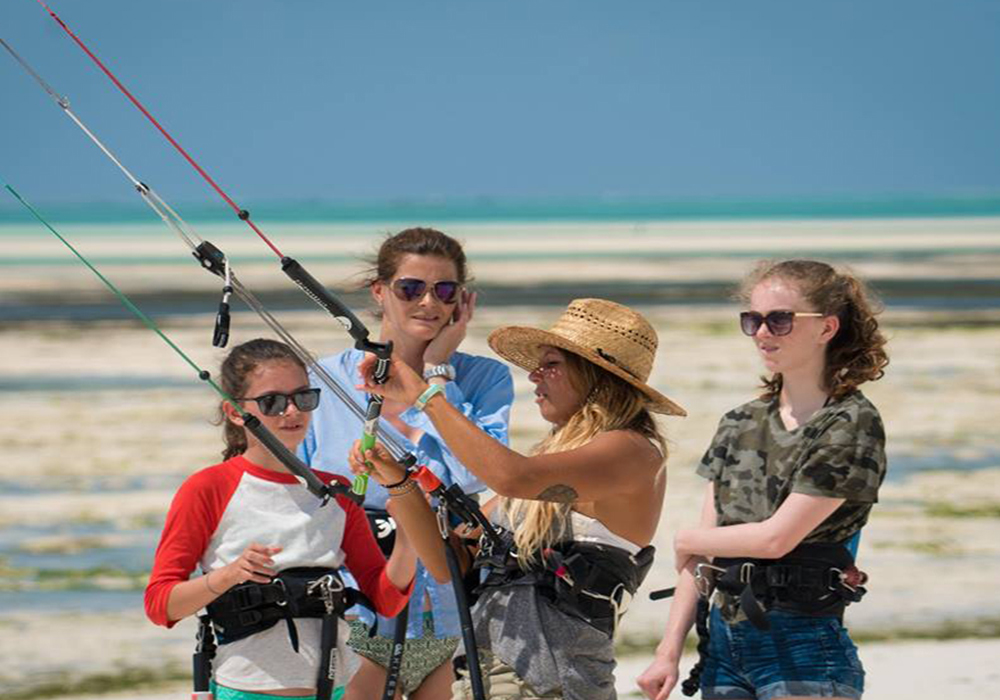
x=815, y=579
x=589, y=581
x=250, y=608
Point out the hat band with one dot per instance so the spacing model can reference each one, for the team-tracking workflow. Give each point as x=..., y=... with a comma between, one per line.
x=613, y=360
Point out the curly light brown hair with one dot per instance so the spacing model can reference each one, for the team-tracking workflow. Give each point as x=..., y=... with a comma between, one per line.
x=856, y=354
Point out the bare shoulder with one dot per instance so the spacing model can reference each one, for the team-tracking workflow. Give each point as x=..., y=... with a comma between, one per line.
x=631, y=447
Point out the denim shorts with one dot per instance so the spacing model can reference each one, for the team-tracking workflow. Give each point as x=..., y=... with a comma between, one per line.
x=799, y=656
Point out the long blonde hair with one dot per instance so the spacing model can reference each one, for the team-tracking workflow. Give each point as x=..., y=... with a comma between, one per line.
x=610, y=404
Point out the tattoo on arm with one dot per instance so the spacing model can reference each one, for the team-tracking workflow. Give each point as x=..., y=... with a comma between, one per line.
x=560, y=493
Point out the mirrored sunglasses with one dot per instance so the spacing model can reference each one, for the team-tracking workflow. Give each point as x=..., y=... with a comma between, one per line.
x=777, y=322
x=275, y=404
x=411, y=289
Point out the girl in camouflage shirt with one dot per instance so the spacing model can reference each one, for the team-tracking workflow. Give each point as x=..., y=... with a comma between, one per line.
x=800, y=464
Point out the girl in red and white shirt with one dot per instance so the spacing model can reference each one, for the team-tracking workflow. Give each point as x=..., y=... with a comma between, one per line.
x=249, y=518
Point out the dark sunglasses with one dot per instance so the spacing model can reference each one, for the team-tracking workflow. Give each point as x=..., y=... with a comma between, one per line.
x=778, y=322
x=275, y=404
x=411, y=289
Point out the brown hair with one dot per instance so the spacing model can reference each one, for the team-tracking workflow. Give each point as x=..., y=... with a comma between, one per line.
x=234, y=374
x=611, y=403
x=414, y=241
x=856, y=354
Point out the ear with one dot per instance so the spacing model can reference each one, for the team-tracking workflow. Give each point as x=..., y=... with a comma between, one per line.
x=378, y=292
x=831, y=324
x=231, y=414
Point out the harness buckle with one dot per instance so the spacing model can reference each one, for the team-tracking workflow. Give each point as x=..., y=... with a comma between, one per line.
x=852, y=579
x=282, y=599
x=442, y=520
x=327, y=586
x=746, y=571
x=704, y=582
x=247, y=597
x=250, y=617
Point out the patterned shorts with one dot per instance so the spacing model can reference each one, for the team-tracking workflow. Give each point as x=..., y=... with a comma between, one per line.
x=500, y=682
x=420, y=656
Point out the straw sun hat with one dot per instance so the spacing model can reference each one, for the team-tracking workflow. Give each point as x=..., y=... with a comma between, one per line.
x=610, y=335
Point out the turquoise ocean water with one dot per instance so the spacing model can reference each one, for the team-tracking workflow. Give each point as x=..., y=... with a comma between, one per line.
x=486, y=209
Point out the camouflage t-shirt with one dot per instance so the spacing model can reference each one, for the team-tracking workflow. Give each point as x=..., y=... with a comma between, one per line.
x=755, y=463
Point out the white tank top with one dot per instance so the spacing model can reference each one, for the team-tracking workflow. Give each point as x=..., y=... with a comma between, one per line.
x=588, y=529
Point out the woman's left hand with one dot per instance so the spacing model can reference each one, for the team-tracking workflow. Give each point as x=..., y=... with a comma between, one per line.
x=376, y=462
x=404, y=385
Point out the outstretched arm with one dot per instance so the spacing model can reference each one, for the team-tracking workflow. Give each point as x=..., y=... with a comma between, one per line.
x=483, y=394
x=580, y=474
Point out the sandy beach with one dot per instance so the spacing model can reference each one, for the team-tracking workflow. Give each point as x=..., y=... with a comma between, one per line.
x=102, y=422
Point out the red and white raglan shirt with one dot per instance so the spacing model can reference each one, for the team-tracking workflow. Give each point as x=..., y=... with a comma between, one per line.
x=218, y=512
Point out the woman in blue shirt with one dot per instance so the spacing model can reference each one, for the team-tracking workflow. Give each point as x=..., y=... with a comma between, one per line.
x=418, y=282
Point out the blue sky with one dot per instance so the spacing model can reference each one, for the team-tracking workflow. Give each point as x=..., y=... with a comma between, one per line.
x=379, y=100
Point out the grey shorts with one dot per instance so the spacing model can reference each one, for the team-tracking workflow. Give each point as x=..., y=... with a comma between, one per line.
x=499, y=681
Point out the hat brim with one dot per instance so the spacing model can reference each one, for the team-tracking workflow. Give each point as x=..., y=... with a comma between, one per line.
x=521, y=346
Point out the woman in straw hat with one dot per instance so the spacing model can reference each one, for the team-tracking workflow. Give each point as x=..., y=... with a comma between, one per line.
x=578, y=513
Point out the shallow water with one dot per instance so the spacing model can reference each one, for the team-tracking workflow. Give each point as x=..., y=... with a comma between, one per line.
x=904, y=465
x=914, y=293
x=105, y=484
x=71, y=601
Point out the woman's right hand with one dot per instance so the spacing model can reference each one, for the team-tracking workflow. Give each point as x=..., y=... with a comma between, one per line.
x=376, y=462
x=659, y=679
x=404, y=385
x=254, y=564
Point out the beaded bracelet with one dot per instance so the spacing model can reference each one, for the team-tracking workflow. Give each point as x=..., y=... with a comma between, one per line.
x=406, y=477
x=408, y=486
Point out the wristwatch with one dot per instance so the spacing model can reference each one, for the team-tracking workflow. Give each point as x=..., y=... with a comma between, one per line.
x=442, y=370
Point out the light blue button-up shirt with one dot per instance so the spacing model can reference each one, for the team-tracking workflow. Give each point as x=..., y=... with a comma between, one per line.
x=483, y=391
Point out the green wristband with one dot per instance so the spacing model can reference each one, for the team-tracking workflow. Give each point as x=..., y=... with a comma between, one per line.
x=429, y=393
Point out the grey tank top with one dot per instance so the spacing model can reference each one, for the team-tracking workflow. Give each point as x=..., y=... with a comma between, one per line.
x=547, y=648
